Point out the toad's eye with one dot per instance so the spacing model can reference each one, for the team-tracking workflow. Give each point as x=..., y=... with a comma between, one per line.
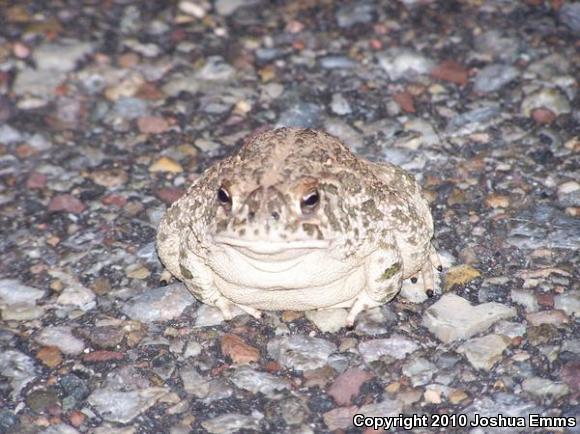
x=309, y=202
x=224, y=197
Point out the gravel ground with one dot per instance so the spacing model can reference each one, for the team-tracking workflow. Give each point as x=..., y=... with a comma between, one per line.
x=109, y=109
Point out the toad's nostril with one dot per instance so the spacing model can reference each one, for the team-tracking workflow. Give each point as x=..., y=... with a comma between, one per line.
x=251, y=215
x=275, y=215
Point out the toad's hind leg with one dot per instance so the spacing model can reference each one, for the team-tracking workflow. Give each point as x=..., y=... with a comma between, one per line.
x=429, y=280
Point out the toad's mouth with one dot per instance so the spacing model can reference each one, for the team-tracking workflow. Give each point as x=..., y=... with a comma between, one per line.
x=268, y=247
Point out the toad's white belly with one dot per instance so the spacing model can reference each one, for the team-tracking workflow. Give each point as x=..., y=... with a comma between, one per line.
x=303, y=280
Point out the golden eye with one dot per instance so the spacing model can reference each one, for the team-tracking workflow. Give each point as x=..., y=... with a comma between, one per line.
x=224, y=197
x=309, y=202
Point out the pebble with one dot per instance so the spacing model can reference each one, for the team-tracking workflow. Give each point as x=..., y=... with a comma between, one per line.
x=453, y=318
x=484, y=352
x=216, y=69
x=569, y=302
x=404, y=64
x=498, y=45
x=555, y=317
x=194, y=383
x=302, y=115
x=569, y=194
x=340, y=105
x=40, y=83
x=328, y=320
x=419, y=370
x=375, y=321
x=129, y=108
x=13, y=291
x=493, y=77
x=397, y=347
x=166, y=164
x=152, y=124
x=159, y=304
x=74, y=293
x=67, y=203
x=547, y=98
x=473, y=120
x=208, y=316
x=348, y=135
x=181, y=83
x=459, y=275
x=526, y=298
x=356, y=13
x=10, y=135
x=61, y=56
x=62, y=338
x=238, y=350
x=569, y=14
x=510, y=329
x=337, y=62
x=60, y=428
x=451, y=71
x=123, y=407
x=18, y=368
x=300, y=352
x=233, y=422
x=542, y=387
x=347, y=385
x=339, y=418
x=254, y=381
x=501, y=403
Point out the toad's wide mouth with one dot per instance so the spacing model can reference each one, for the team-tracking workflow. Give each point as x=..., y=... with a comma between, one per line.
x=268, y=247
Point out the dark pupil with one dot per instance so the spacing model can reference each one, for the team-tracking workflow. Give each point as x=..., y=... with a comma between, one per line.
x=311, y=200
x=223, y=196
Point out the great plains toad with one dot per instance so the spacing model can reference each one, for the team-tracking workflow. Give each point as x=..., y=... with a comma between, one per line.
x=295, y=221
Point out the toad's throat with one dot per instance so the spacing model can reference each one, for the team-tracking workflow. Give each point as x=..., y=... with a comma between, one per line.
x=272, y=248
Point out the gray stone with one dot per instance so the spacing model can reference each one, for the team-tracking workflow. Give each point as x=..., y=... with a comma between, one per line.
x=300, y=115
x=543, y=387
x=9, y=136
x=498, y=45
x=396, y=346
x=569, y=14
x=62, y=55
x=569, y=302
x=502, y=403
x=300, y=352
x=453, y=317
x=337, y=62
x=14, y=292
x=18, y=368
x=526, y=298
x=39, y=83
x=249, y=379
x=355, y=13
x=62, y=338
x=473, y=120
x=347, y=135
x=549, y=98
x=485, y=351
x=228, y=7
x=404, y=64
x=233, y=422
x=159, y=304
x=419, y=370
x=328, y=320
x=340, y=105
x=123, y=407
x=493, y=77
x=569, y=194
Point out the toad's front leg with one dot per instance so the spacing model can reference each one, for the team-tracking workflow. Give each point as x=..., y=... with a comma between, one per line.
x=384, y=269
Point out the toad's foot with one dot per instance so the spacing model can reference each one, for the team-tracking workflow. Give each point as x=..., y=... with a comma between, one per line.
x=166, y=277
x=429, y=281
x=225, y=307
x=362, y=302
